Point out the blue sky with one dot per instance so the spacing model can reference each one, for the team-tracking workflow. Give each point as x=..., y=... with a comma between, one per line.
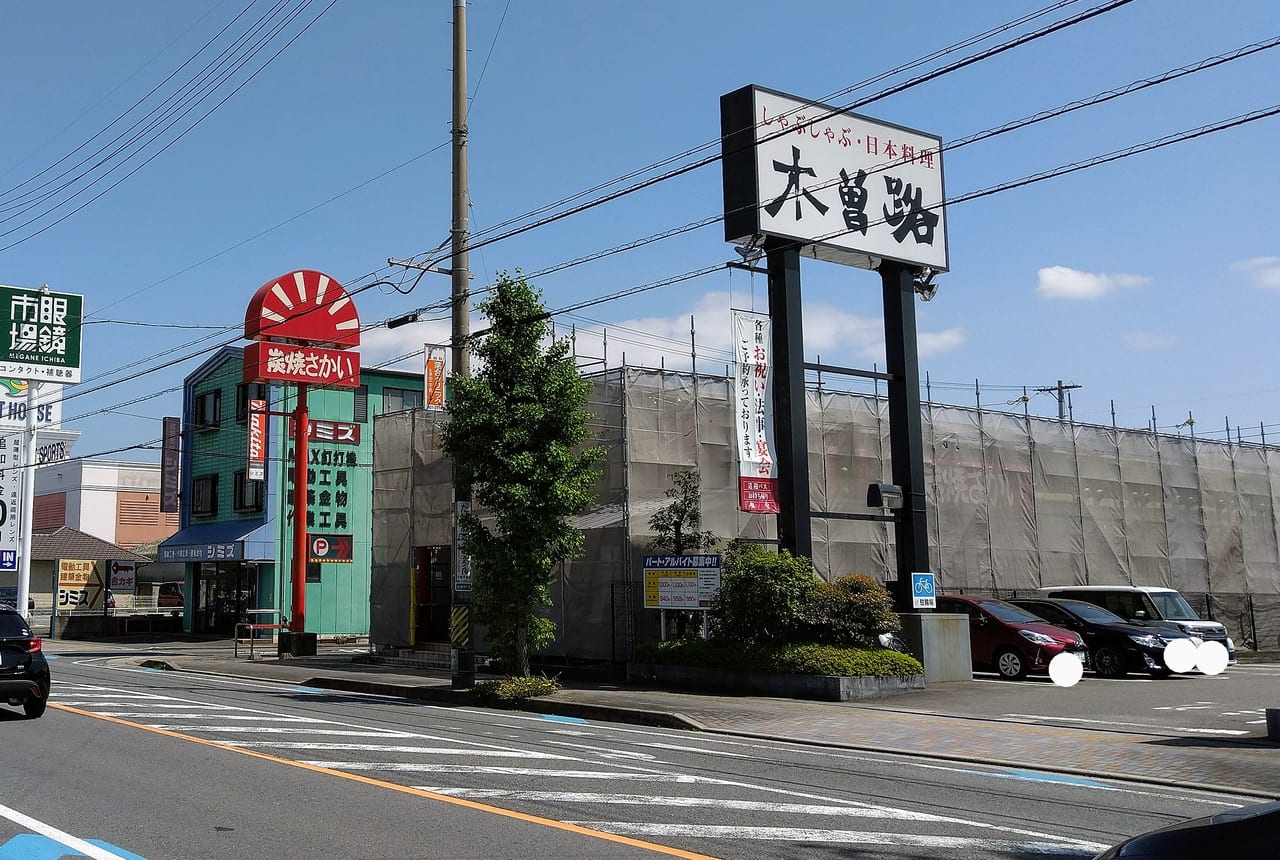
x=1151, y=281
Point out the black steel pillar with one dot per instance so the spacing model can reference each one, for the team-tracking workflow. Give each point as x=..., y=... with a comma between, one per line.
x=906, y=445
x=790, y=428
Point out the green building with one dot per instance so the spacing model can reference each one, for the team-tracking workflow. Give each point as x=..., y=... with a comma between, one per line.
x=235, y=536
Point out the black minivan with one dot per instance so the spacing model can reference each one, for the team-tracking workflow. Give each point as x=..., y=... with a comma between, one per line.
x=1117, y=646
x=24, y=672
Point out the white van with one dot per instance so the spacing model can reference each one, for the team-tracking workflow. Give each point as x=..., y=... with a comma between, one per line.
x=1147, y=604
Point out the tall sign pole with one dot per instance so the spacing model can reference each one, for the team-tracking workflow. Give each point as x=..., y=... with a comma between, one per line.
x=806, y=179
x=303, y=326
x=39, y=342
x=298, y=567
x=906, y=440
x=463, y=664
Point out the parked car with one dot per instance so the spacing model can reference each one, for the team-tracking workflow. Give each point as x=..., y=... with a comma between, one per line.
x=1115, y=646
x=1010, y=640
x=1246, y=833
x=24, y=672
x=169, y=595
x=1146, y=604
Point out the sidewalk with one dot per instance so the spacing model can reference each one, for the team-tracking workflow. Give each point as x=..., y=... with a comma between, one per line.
x=1250, y=767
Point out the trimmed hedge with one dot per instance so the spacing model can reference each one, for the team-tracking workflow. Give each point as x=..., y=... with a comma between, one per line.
x=791, y=659
x=516, y=689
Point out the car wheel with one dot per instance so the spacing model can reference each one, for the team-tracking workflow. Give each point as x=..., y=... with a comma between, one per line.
x=34, y=708
x=1108, y=663
x=1010, y=665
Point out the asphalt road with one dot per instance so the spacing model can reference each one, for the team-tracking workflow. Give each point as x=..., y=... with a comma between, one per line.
x=168, y=765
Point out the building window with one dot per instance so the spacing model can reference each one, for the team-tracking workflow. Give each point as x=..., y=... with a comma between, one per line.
x=248, y=494
x=360, y=407
x=208, y=410
x=400, y=399
x=245, y=392
x=204, y=496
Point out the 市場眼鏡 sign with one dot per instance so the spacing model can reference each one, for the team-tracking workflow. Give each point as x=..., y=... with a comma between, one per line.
x=40, y=334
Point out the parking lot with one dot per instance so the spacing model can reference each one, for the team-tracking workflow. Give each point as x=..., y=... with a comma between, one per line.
x=1227, y=706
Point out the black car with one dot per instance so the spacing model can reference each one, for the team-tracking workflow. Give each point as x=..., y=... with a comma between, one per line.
x=1117, y=646
x=1245, y=833
x=24, y=673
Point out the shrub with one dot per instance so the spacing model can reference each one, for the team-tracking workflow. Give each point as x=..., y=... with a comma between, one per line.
x=852, y=610
x=796, y=659
x=764, y=596
x=516, y=689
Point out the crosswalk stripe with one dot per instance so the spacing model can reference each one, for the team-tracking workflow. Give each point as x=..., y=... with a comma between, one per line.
x=282, y=730
x=405, y=767
x=1071, y=848
x=173, y=715
x=337, y=747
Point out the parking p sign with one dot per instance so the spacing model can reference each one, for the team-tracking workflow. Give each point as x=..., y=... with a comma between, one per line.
x=922, y=591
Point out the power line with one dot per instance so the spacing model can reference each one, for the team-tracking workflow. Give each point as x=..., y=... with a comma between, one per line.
x=159, y=152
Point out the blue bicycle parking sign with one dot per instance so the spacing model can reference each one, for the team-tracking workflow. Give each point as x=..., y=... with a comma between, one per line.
x=922, y=587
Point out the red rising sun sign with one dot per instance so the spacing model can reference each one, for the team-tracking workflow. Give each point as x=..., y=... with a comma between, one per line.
x=305, y=306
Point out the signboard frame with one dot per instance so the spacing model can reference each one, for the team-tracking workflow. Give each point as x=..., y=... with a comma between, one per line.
x=41, y=337
x=681, y=581
x=850, y=189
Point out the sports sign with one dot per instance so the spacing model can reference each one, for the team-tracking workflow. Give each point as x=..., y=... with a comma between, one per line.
x=329, y=548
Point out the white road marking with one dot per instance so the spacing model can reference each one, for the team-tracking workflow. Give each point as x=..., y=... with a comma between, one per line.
x=1121, y=723
x=695, y=750
x=406, y=767
x=607, y=752
x=175, y=715
x=282, y=730
x=843, y=837
x=335, y=747
x=851, y=810
x=75, y=843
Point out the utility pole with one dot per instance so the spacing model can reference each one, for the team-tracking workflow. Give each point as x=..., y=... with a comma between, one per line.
x=463, y=663
x=1059, y=391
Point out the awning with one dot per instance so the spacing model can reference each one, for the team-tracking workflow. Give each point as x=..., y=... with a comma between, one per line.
x=223, y=541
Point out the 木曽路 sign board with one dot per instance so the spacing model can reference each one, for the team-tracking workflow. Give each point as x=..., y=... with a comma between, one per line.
x=849, y=189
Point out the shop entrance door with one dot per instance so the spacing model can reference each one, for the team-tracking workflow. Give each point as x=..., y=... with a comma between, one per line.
x=432, y=584
x=225, y=591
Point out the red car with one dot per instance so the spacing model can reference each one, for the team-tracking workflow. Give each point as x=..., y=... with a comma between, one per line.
x=1008, y=639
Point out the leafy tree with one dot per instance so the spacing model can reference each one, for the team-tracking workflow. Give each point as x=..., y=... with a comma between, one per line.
x=516, y=432
x=676, y=526
x=764, y=596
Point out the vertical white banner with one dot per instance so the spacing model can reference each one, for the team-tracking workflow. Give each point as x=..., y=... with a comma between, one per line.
x=10, y=499
x=753, y=413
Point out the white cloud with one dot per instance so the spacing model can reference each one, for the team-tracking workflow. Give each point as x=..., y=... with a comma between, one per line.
x=829, y=331
x=1262, y=272
x=836, y=335
x=1060, y=282
x=1142, y=341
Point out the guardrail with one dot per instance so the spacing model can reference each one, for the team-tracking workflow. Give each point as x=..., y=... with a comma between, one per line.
x=252, y=628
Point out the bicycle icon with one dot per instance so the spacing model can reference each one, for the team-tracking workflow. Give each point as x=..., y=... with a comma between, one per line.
x=922, y=584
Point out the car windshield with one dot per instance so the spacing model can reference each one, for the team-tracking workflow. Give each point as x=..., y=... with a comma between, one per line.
x=1009, y=612
x=1096, y=614
x=12, y=626
x=1173, y=607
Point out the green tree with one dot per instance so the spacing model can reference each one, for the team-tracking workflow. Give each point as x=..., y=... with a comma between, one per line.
x=765, y=596
x=516, y=434
x=676, y=526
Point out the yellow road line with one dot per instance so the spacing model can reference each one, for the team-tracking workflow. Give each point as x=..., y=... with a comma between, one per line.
x=403, y=789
